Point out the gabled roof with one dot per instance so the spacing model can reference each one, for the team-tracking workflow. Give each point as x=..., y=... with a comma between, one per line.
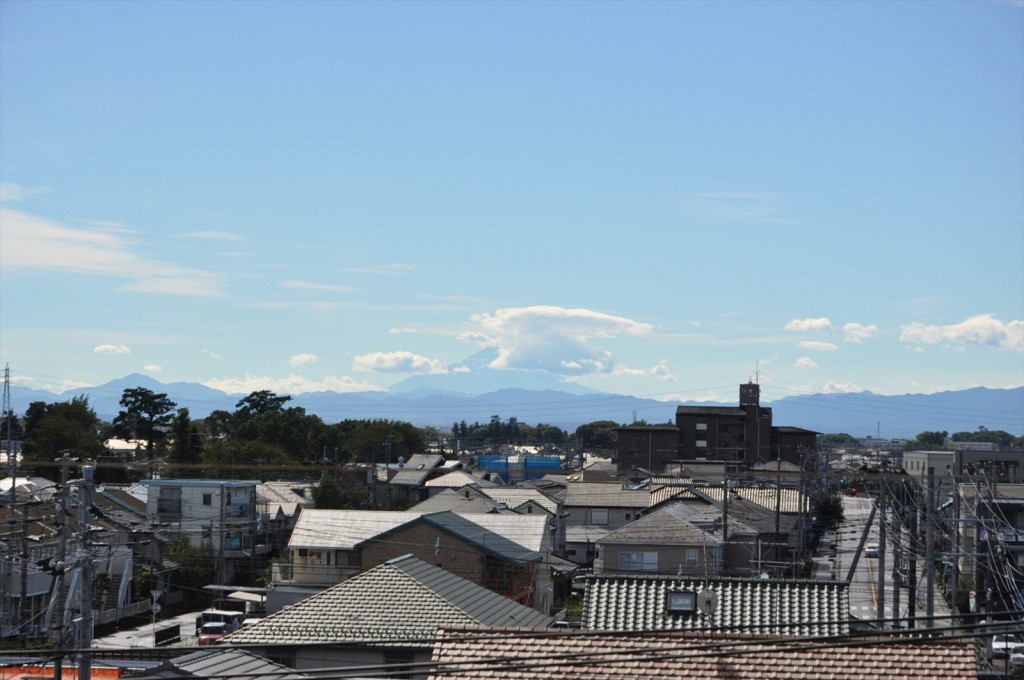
x=224, y=664
x=343, y=529
x=480, y=537
x=456, y=501
x=513, y=497
x=604, y=495
x=401, y=603
x=456, y=479
x=529, y=531
x=668, y=526
x=569, y=655
x=771, y=607
x=417, y=469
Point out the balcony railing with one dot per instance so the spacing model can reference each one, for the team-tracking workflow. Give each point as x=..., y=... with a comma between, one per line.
x=311, y=574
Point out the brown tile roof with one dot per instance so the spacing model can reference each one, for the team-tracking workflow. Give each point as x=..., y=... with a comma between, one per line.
x=515, y=654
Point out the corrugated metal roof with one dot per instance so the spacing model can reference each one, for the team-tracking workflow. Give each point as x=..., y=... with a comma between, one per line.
x=417, y=469
x=343, y=529
x=476, y=535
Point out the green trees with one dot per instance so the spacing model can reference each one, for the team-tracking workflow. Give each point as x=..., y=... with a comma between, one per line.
x=929, y=441
x=599, y=434
x=1001, y=438
x=145, y=416
x=61, y=426
x=186, y=444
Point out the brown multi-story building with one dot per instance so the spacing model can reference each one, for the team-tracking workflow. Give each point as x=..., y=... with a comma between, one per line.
x=734, y=437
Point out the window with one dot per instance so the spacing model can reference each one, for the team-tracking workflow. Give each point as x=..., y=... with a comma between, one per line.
x=169, y=501
x=691, y=558
x=599, y=516
x=638, y=561
x=702, y=443
x=680, y=602
x=702, y=427
x=207, y=499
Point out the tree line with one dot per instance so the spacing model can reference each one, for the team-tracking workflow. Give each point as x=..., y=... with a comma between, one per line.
x=263, y=436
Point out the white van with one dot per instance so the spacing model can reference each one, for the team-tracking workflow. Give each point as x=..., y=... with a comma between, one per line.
x=230, y=619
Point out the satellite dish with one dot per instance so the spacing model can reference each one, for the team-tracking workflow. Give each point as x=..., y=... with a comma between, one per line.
x=707, y=600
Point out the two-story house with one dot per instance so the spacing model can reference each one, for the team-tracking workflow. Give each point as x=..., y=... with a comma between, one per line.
x=218, y=513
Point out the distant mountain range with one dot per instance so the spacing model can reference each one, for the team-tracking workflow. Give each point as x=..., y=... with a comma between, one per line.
x=440, y=404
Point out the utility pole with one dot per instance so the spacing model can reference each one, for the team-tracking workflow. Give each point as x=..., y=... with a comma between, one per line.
x=954, y=610
x=912, y=566
x=86, y=574
x=59, y=567
x=897, y=554
x=929, y=549
x=881, y=559
x=12, y=518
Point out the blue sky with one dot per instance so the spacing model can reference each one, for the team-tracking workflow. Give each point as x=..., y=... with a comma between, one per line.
x=656, y=199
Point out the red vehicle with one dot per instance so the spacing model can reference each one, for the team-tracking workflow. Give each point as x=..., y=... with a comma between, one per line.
x=211, y=632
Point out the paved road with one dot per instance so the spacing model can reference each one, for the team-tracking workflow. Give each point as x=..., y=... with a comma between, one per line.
x=144, y=636
x=864, y=592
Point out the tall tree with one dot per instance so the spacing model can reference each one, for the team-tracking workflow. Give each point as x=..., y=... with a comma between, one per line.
x=145, y=413
x=62, y=426
x=258, y=403
x=186, y=444
x=10, y=425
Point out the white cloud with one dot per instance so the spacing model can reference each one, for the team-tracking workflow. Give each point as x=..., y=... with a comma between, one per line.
x=216, y=235
x=856, y=332
x=832, y=387
x=390, y=269
x=662, y=372
x=982, y=329
x=303, y=359
x=12, y=193
x=821, y=325
x=729, y=206
x=309, y=285
x=211, y=354
x=400, y=331
x=152, y=368
x=805, y=362
x=398, y=362
x=32, y=242
x=112, y=349
x=293, y=384
x=816, y=346
x=551, y=338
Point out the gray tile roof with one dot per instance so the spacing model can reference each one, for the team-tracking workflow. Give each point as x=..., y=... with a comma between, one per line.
x=232, y=664
x=604, y=495
x=401, y=602
x=450, y=499
x=514, y=497
x=773, y=607
x=668, y=526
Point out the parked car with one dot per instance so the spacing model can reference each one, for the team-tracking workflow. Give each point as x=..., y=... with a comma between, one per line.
x=1002, y=643
x=871, y=550
x=1017, y=655
x=210, y=632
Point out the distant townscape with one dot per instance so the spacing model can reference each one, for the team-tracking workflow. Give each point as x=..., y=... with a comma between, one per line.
x=263, y=540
